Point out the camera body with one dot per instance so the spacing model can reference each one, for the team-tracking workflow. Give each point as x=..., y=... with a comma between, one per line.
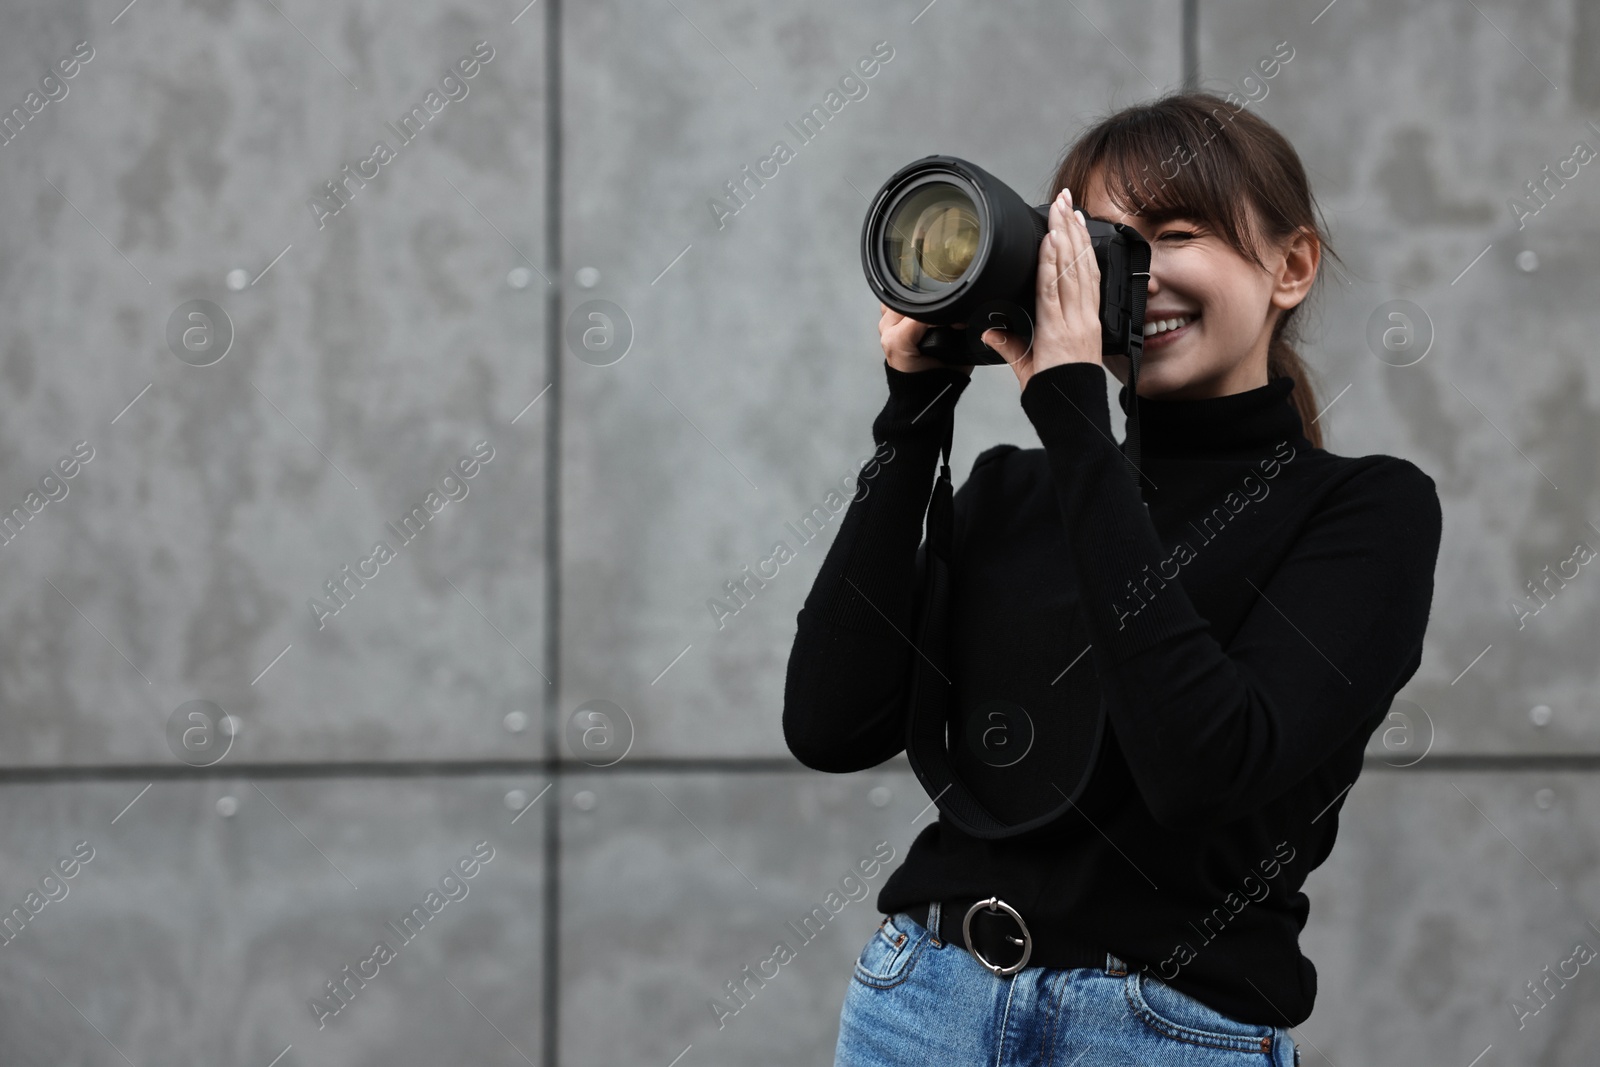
x=945, y=242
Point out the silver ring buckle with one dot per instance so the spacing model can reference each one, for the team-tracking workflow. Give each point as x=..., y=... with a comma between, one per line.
x=996, y=904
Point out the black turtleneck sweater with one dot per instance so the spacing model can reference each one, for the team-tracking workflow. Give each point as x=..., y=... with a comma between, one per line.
x=1248, y=611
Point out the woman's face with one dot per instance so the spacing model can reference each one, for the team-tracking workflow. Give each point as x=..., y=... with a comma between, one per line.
x=1231, y=304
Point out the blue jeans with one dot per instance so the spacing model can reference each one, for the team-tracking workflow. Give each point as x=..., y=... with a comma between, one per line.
x=915, y=1000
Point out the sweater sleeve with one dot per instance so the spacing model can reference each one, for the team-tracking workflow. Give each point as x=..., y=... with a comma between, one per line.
x=845, y=693
x=1212, y=734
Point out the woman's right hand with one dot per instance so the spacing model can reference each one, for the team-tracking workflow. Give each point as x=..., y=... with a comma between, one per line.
x=899, y=336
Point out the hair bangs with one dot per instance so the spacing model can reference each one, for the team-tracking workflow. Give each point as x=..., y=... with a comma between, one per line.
x=1164, y=164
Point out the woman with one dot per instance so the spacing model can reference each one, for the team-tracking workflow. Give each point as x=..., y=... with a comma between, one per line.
x=1241, y=616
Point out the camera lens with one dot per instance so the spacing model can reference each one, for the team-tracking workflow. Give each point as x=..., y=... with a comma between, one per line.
x=932, y=236
x=947, y=243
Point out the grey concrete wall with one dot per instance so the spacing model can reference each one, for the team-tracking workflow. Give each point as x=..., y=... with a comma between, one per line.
x=347, y=361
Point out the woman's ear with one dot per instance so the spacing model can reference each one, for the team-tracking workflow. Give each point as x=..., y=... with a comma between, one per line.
x=1297, y=270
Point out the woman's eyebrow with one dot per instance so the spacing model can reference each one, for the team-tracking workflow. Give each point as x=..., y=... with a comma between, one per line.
x=1156, y=218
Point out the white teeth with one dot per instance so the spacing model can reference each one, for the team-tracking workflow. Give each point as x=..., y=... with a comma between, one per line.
x=1165, y=325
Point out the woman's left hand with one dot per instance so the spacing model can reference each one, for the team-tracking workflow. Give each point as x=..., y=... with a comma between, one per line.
x=1067, y=300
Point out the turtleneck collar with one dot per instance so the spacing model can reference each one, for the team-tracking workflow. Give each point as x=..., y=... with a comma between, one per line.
x=1243, y=424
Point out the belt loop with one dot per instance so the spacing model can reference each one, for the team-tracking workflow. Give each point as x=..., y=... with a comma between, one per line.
x=933, y=924
x=1115, y=967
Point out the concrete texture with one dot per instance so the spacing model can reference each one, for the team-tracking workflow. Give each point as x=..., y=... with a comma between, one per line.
x=371, y=357
x=194, y=937
x=664, y=384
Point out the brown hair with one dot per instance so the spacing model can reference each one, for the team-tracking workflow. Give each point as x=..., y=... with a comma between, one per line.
x=1220, y=152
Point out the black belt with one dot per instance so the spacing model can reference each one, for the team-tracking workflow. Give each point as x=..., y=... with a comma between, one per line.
x=1000, y=937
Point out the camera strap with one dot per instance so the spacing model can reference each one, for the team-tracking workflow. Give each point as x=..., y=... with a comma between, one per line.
x=1135, y=351
x=930, y=721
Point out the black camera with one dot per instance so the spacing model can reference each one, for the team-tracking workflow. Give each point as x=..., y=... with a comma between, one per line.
x=946, y=242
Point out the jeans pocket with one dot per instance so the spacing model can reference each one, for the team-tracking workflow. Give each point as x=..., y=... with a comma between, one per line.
x=890, y=953
x=1181, y=1017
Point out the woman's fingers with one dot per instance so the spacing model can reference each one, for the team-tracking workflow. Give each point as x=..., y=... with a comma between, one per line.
x=1018, y=356
x=1067, y=254
x=1047, y=295
x=1009, y=345
x=1088, y=268
x=1074, y=241
x=896, y=329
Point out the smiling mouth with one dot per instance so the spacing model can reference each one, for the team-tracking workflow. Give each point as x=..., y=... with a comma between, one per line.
x=1164, y=331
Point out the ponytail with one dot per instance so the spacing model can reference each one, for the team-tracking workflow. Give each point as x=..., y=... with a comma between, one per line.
x=1284, y=362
